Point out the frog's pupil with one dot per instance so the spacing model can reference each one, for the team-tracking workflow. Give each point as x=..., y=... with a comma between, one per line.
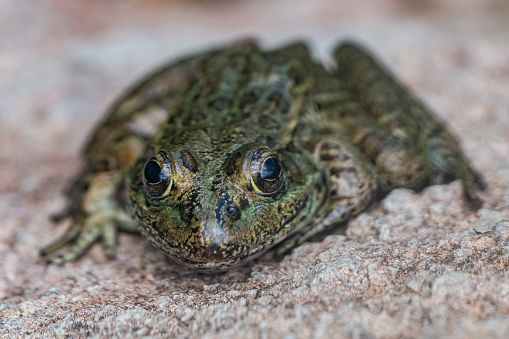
x=271, y=169
x=153, y=172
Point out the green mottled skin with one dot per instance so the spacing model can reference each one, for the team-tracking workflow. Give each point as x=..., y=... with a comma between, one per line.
x=213, y=119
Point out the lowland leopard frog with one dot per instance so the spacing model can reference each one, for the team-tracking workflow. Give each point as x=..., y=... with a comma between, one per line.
x=219, y=156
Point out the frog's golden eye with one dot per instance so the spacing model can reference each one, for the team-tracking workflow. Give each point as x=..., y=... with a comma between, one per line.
x=157, y=176
x=266, y=173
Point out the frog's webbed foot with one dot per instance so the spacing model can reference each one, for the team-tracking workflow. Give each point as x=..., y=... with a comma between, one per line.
x=480, y=182
x=472, y=182
x=446, y=156
x=82, y=236
x=84, y=232
x=97, y=217
x=62, y=215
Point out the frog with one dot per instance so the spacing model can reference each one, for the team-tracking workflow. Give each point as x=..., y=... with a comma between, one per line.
x=222, y=155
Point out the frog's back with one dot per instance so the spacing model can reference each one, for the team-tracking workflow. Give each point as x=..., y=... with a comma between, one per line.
x=240, y=87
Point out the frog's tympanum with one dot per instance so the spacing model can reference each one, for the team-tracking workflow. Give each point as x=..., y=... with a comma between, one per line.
x=220, y=156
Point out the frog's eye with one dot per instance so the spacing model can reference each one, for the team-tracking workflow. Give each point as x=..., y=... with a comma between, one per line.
x=157, y=176
x=266, y=173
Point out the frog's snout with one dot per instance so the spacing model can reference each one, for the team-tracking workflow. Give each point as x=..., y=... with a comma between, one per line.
x=214, y=242
x=211, y=242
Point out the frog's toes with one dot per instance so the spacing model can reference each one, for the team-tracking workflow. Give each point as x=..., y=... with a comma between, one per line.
x=72, y=233
x=470, y=188
x=109, y=241
x=479, y=181
x=65, y=213
x=475, y=200
x=437, y=178
x=80, y=244
x=83, y=235
x=78, y=248
x=471, y=181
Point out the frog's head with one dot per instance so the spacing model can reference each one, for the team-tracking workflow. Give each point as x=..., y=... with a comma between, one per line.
x=215, y=211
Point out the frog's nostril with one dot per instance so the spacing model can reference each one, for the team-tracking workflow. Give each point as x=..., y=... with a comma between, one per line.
x=233, y=213
x=186, y=213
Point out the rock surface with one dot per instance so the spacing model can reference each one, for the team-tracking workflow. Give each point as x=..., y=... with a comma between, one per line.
x=414, y=265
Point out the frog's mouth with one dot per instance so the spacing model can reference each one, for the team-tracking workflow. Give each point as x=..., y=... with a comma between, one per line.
x=213, y=247
x=212, y=264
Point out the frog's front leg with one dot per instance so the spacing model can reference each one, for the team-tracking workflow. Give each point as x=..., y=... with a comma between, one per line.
x=99, y=215
x=352, y=182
